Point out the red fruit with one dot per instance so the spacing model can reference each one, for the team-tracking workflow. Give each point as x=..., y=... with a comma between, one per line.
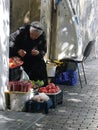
x=48, y=87
x=53, y=91
x=57, y=88
x=43, y=89
x=40, y=89
x=10, y=60
x=52, y=84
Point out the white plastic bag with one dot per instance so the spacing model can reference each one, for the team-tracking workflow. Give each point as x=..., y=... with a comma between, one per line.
x=24, y=75
x=44, y=96
x=17, y=100
x=41, y=97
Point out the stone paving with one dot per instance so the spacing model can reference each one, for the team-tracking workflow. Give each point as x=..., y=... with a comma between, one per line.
x=79, y=110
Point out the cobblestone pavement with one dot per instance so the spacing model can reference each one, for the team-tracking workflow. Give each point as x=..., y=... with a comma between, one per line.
x=79, y=110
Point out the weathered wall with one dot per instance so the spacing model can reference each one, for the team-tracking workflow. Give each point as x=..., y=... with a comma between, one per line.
x=4, y=49
x=88, y=15
x=45, y=18
x=23, y=12
x=87, y=11
x=87, y=29
x=67, y=43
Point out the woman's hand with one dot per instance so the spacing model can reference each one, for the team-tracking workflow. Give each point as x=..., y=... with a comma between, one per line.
x=34, y=52
x=22, y=52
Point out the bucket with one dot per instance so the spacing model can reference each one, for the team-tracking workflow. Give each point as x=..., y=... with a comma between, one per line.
x=51, y=69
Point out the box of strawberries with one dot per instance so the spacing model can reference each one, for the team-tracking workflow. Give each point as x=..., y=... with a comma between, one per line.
x=20, y=86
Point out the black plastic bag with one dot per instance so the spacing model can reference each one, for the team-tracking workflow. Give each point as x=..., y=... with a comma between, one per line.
x=15, y=74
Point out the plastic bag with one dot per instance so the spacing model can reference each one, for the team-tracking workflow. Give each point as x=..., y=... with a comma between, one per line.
x=15, y=74
x=41, y=97
x=24, y=75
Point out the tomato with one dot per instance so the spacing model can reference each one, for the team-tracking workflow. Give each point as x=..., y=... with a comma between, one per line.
x=48, y=87
x=43, y=89
x=57, y=88
x=40, y=89
x=52, y=84
x=14, y=62
x=49, y=91
x=53, y=91
x=12, y=65
x=10, y=60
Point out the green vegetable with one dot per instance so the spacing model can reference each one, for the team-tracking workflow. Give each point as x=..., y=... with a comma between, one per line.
x=38, y=83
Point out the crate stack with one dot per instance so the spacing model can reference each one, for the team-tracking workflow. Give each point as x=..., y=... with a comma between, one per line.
x=54, y=92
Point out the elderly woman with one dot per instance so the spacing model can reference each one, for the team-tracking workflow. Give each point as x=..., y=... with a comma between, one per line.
x=29, y=43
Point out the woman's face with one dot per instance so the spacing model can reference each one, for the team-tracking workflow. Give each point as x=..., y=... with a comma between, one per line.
x=34, y=34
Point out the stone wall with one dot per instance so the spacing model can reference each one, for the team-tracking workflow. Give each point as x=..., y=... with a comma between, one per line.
x=4, y=49
x=23, y=12
x=86, y=29
x=87, y=12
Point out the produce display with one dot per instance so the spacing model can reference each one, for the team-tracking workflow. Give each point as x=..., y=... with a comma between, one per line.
x=21, y=86
x=37, y=84
x=15, y=62
x=50, y=88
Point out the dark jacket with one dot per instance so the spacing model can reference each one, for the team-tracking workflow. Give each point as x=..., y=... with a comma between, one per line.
x=21, y=40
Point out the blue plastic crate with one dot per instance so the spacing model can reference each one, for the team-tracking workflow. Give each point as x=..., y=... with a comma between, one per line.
x=69, y=77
